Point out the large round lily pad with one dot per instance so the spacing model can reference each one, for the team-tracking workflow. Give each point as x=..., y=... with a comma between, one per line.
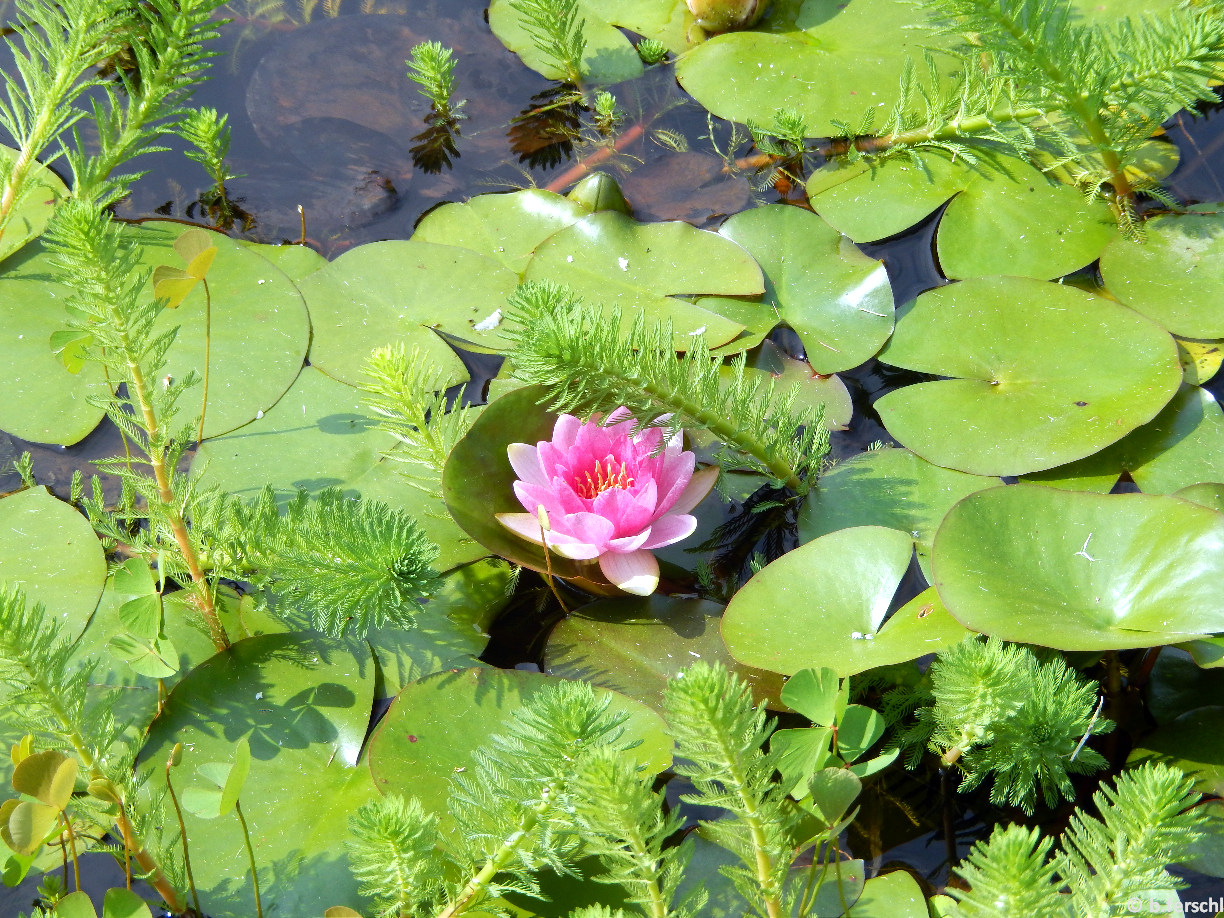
x=303, y=704
x=386, y=292
x=824, y=604
x=886, y=487
x=39, y=399
x=1081, y=571
x=611, y=260
x=1005, y=216
x=838, y=299
x=319, y=435
x=608, y=57
x=49, y=550
x=635, y=645
x=435, y=724
x=1182, y=446
x=835, y=61
x=259, y=328
x=1045, y=374
x=1188, y=247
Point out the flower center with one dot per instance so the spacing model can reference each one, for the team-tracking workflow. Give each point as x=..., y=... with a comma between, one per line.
x=608, y=473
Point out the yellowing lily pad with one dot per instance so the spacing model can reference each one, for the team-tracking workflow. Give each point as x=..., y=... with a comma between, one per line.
x=609, y=259
x=1005, y=216
x=838, y=299
x=1043, y=374
x=1080, y=571
x=1176, y=275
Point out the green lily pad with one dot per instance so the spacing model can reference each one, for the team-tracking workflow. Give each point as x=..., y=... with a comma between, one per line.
x=1188, y=247
x=50, y=551
x=1178, y=684
x=886, y=487
x=260, y=329
x=435, y=724
x=609, y=259
x=1080, y=571
x=1209, y=494
x=608, y=58
x=33, y=210
x=1183, y=446
x=824, y=604
x=39, y=399
x=837, y=61
x=1045, y=374
x=384, y=292
x=302, y=703
x=1194, y=743
x=892, y=895
x=297, y=261
x=505, y=227
x=635, y=646
x=1005, y=216
x=318, y=436
x=838, y=299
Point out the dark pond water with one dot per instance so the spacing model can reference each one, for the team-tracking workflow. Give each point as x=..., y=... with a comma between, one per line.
x=324, y=119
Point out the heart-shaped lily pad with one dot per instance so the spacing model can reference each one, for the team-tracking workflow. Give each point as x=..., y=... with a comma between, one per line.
x=505, y=227
x=39, y=399
x=1182, y=446
x=1045, y=374
x=611, y=260
x=259, y=328
x=33, y=209
x=319, y=435
x=635, y=645
x=886, y=487
x=1005, y=216
x=836, y=61
x=1080, y=571
x=50, y=551
x=385, y=292
x=838, y=299
x=1187, y=246
x=435, y=724
x=303, y=704
x=824, y=604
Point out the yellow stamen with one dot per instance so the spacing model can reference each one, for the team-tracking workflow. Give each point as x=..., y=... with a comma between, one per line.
x=608, y=473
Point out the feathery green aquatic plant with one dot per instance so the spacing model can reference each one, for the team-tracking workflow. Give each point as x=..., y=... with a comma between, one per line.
x=591, y=365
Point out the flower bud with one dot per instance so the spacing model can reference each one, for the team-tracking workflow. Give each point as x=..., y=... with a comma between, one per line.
x=727, y=15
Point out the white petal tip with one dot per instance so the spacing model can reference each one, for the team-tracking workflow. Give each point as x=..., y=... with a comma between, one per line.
x=635, y=572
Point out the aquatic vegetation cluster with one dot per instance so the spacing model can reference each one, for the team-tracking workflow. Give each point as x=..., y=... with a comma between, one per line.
x=306, y=523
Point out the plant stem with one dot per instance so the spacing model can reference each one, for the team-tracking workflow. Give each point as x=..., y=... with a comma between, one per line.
x=76, y=867
x=195, y=898
x=251, y=855
x=500, y=858
x=207, y=354
x=580, y=170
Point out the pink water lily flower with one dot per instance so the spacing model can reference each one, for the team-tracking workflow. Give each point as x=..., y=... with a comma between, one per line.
x=608, y=494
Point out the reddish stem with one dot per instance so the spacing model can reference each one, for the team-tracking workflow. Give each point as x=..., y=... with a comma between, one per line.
x=580, y=170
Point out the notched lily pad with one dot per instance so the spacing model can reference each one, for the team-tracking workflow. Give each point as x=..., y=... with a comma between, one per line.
x=1005, y=216
x=1080, y=571
x=838, y=299
x=824, y=604
x=1043, y=374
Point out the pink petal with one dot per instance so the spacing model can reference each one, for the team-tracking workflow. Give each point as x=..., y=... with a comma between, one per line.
x=636, y=572
x=532, y=497
x=589, y=527
x=696, y=490
x=569, y=547
x=564, y=431
x=630, y=513
x=674, y=477
x=566, y=498
x=525, y=460
x=629, y=543
x=526, y=525
x=670, y=528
